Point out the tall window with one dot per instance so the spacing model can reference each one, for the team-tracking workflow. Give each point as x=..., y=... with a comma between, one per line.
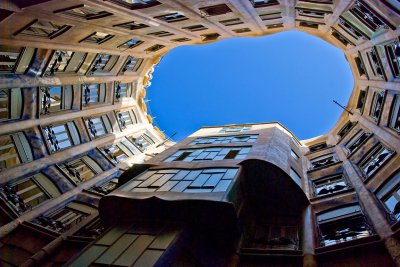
x=346, y=128
x=329, y=185
x=132, y=25
x=61, y=136
x=63, y=219
x=179, y=180
x=103, y=63
x=131, y=44
x=323, y=161
x=263, y=3
x=215, y=10
x=318, y=147
x=122, y=90
x=43, y=29
x=172, y=17
x=126, y=118
x=225, y=139
x=357, y=140
x=368, y=16
x=195, y=28
x=142, y=142
x=65, y=62
x=389, y=195
x=80, y=170
x=136, y=4
x=15, y=59
x=212, y=153
x=93, y=94
x=84, y=12
x=27, y=193
x=350, y=29
x=342, y=225
x=375, y=63
x=97, y=38
x=98, y=126
x=132, y=64
x=377, y=105
x=361, y=99
x=394, y=122
x=114, y=153
x=14, y=149
x=10, y=104
x=393, y=55
x=374, y=159
x=105, y=188
x=55, y=98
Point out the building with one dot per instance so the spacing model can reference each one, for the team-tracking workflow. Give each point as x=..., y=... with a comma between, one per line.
x=73, y=76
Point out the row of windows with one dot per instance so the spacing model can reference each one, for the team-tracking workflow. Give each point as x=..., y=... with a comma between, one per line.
x=59, y=98
x=224, y=139
x=212, y=153
x=61, y=61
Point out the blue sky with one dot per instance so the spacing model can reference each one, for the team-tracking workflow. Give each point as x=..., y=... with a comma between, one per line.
x=290, y=77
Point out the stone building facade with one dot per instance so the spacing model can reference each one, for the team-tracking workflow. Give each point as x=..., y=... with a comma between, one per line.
x=73, y=118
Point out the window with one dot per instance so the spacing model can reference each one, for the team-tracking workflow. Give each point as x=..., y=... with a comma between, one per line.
x=27, y=193
x=295, y=176
x=309, y=24
x=323, y=161
x=270, y=16
x=361, y=99
x=269, y=236
x=15, y=59
x=377, y=105
x=342, y=225
x=10, y=104
x=242, y=30
x=80, y=170
x=142, y=142
x=93, y=93
x=103, y=63
x=330, y=185
x=350, y=29
x=122, y=90
x=131, y=44
x=136, y=4
x=84, y=12
x=375, y=63
x=368, y=16
x=394, y=122
x=393, y=55
x=274, y=26
x=215, y=10
x=63, y=219
x=154, y=48
x=61, y=136
x=14, y=149
x=360, y=65
x=43, y=29
x=311, y=13
x=172, y=17
x=114, y=153
x=186, y=181
x=210, y=37
x=231, y=22
x=225, y=139
x=105, y=188
x=132, y=64
x=357, y=140
x=132, y=25
x=212, y=153
x=235, y=129
x=98, y=126
x=181, y=40
x=294, y=155
x=318, y=147
x=374, y=159
x=195, y=28
x=97, y=38
x=65, y=62
x=161, y=34
x=389, y=195
x=346, y=128
x=341, y=38
x=126, y=118
x=55, y=98
x=263, y=3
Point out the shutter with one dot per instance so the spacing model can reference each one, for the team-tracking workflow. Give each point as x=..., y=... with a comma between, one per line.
x=67, y=97
x=93, y=164
x=107, y=124
x=47, y=185
x=75, y=62
x=73, y=131
x=25, y=60
x=102, y=92
x=16, y=103
x=23, y=147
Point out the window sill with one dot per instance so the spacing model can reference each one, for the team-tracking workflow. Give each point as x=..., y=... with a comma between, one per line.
x=360, y=242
